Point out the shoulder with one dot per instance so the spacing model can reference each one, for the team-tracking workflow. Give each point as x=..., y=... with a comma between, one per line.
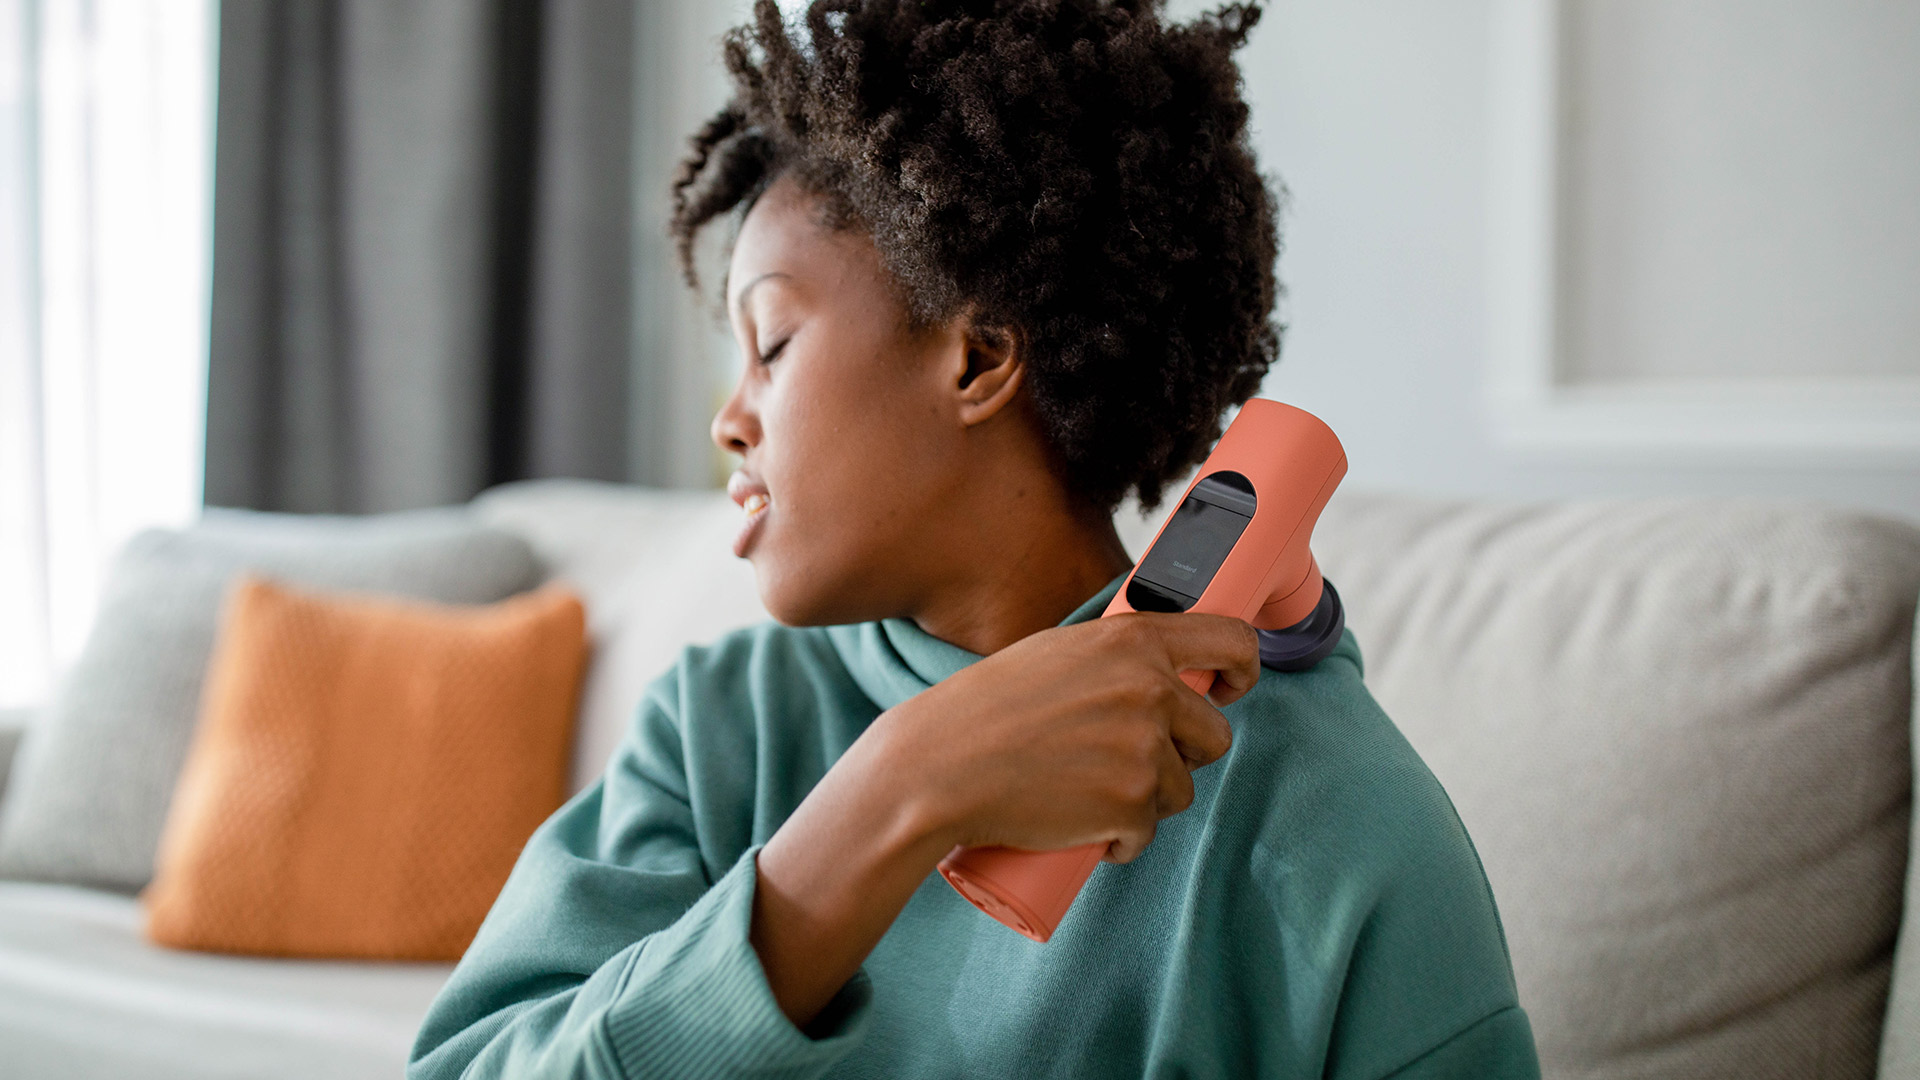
x=744, y=669
x=718, y=703
x=1357, y=839
x=1334, y=767
x=741, y=729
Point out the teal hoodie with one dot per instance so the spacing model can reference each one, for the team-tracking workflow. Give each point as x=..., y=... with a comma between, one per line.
x=1318, y=912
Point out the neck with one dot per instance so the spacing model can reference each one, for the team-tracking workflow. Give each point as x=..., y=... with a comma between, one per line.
x=1049, y=560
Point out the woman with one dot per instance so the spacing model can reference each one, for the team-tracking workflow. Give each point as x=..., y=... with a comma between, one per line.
x=999, y=264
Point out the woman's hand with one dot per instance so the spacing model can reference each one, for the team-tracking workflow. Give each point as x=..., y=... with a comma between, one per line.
x=1073, y=735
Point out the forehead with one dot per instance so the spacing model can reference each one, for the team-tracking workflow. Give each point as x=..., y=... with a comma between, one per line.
x=786, y=232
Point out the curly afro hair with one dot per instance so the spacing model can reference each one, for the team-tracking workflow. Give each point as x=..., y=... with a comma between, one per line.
x=1076, y=172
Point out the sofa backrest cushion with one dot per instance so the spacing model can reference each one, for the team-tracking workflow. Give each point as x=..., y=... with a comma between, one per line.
x=1900, y=1036
x=13, y=724
x=1678, y=734
x=657, y=572
x=90, y=786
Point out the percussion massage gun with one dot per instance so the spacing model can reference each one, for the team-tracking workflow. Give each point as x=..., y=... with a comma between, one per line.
x=1237, y=544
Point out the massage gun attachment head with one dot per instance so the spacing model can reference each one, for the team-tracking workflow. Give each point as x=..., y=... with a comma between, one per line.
x=1307, y=642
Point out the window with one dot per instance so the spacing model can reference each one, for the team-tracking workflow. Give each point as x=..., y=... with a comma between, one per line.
x=105, y=182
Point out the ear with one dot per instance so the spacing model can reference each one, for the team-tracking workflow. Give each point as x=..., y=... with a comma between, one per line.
x=991, y=373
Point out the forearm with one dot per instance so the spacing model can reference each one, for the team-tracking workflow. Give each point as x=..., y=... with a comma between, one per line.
x=685, y=1000
x=837, y=874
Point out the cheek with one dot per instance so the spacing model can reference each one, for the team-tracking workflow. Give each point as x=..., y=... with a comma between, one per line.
x=853, y=453
x=854, y=457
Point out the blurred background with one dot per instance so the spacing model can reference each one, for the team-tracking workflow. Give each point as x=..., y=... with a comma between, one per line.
x=362, y=255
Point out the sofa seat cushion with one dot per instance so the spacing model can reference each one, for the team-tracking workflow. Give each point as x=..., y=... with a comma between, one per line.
x=82, y=996
x=1677, y=732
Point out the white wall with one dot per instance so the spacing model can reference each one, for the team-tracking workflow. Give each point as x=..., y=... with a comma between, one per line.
x=1743, y=191
x=1377, y=115
x=682, y=355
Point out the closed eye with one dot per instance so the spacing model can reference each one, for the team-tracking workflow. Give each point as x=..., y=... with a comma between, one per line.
x=768, y=356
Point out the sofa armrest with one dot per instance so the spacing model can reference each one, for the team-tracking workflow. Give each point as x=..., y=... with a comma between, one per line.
x=13, y=726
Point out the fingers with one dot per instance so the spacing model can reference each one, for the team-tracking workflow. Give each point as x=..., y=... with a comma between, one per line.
x=1172, y=793
x=1199, y=732
x=1176, y=788
x=1127, y=847
x=1232, y=684
x=1209, y=643
x=1181, y=645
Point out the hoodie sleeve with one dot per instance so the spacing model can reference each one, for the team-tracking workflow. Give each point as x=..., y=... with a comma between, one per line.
x=613, y=951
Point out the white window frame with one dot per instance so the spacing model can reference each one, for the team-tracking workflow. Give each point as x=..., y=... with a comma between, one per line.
x=1841, y=420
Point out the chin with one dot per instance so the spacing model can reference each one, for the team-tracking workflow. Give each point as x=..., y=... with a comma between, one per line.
x=808, y=596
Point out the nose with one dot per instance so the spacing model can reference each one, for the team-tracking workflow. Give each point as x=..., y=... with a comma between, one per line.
x=736, y=427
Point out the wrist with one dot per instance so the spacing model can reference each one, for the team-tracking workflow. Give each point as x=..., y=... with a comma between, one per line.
x=924, y=820
x=835, y=875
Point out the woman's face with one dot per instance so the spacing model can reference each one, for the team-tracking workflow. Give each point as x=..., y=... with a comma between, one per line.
x=844, y=418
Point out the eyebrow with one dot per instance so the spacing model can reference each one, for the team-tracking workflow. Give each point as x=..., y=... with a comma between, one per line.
x=740, y=302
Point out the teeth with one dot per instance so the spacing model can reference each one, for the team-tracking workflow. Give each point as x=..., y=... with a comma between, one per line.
x=754, y=504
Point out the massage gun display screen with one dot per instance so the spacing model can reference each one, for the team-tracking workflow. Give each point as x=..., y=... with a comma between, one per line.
x=1196, y=540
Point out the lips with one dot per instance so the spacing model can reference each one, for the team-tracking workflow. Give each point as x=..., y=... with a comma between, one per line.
x=751, y=496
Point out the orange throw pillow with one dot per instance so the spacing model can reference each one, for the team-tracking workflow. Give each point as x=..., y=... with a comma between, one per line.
x=365, y=772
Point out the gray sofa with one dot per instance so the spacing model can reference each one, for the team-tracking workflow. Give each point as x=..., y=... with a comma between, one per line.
x=1678, y=732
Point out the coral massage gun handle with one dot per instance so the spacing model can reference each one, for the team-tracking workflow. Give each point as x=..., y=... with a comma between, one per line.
x=1237, y=544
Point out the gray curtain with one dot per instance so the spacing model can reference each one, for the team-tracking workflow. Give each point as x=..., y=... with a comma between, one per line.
x=423, y=249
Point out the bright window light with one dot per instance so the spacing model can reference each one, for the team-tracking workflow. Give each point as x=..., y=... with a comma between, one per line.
x=108, y=168
x=24, y=656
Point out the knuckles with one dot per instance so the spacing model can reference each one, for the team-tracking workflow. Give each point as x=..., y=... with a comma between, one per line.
x=1146, y=744
x=1136, y=688
x=1132, y=632
x=1137, y=787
